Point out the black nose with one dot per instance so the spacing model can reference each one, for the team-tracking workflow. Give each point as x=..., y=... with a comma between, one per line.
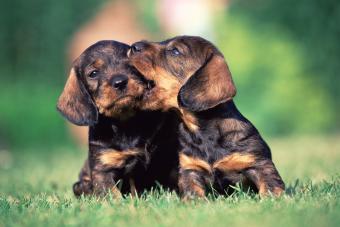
x=119, y=81
x=138, y=47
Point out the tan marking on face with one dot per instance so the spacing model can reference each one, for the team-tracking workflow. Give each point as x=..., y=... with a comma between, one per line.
x=235, y=162
x=106, y=98
x=116, y=159
x=110, y=105
x=98, y=63
x=190, y=163
x=164, y=95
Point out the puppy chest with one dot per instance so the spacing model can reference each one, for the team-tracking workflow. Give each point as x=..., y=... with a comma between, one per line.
x=204, y=145
x=214, y=152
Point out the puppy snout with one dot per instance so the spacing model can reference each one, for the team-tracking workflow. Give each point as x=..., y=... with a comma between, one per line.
x=120, y=82
x=138, y=47
x=151, y=84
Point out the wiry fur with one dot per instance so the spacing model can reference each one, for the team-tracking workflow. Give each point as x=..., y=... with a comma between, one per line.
x=219, y=146
x=126, y=144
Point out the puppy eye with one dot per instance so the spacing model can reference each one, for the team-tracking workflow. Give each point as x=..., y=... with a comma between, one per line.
x=174, y=51
x=93, y=74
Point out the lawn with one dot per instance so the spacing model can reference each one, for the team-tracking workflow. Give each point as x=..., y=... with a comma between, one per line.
x=35, y=190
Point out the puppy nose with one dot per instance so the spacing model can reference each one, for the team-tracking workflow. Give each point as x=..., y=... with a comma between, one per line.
x=138, y=47
x=119, y=82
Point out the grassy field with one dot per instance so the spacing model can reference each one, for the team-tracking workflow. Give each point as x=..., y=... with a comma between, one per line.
x=35, y=190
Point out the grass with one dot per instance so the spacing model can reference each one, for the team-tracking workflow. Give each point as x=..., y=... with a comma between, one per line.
x=35, y=190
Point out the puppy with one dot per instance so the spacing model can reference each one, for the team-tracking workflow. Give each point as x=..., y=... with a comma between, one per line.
x=219, y=146
x=136, y=147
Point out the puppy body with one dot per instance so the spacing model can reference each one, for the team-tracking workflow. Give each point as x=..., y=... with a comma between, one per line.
x=137, y=151
x=232, y=149
x=219, y=146
x=125, y=144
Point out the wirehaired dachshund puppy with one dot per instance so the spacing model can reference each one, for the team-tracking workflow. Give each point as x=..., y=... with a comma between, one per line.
x=218, y=145
x=125, y=143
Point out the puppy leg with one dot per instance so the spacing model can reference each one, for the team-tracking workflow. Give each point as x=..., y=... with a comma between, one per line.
x=84, y=185
x=194, y=175
x=191, y=184
x=266, y=178
x=106, y=165
x=104, y=181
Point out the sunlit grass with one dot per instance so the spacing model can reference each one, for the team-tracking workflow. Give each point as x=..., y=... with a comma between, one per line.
x=36, y=191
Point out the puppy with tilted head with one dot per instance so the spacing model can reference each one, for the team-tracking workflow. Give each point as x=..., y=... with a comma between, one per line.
x=219, y=146
x=125, y=143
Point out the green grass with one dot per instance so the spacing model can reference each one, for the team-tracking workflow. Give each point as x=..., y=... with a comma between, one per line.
x=35, y=190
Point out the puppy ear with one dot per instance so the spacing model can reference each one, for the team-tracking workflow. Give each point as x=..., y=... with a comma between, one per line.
x=75, y=102
x=209, y=86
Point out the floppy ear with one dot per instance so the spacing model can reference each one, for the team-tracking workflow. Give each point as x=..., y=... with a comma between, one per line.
x=75, y=102
x=208, y=86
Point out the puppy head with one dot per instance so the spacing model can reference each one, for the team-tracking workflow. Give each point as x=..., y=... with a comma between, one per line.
x=186, y=69
x=100, y=81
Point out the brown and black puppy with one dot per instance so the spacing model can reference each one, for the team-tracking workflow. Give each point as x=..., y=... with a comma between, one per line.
x=104, y=92
x=219, y=146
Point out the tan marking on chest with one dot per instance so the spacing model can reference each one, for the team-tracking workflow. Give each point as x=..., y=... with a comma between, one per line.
x=190, y=121
x=190, y=163
x=235, y=162
x=116, y=159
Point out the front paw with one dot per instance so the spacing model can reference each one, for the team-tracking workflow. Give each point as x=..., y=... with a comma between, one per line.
x=82, y=188
x=192, y=196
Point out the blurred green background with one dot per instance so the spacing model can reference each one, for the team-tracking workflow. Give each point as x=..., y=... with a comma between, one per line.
x=284, y=56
